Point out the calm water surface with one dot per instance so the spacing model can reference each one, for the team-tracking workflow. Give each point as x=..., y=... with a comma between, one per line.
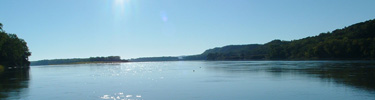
x=195, y=80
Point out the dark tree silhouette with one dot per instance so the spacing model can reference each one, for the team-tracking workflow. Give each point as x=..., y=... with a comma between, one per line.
x=13, y=50
x=1, y=27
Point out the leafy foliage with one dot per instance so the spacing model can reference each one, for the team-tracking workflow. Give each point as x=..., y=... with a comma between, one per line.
x=13, y=50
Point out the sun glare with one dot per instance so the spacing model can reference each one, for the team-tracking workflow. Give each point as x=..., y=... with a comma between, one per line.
x=121, y=2
x=120, y=7
x=123, y=10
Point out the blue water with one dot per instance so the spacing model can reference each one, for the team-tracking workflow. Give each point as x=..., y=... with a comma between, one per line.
x=198, y=80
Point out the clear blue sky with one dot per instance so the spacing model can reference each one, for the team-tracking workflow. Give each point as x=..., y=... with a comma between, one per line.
x=145, y=28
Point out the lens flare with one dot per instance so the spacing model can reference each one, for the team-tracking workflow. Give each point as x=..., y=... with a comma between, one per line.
x=164, y=16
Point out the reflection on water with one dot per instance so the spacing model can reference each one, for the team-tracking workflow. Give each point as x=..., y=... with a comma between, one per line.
x=195, y=80
x=13, y=83
x=358, y=74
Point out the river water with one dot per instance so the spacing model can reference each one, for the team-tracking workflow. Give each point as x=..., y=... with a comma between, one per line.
x=194, y=80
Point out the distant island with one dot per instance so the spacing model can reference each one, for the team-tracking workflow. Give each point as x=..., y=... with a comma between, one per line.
x=109, y=59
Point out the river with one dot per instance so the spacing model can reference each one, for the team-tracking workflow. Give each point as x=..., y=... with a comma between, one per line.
x=194, y=80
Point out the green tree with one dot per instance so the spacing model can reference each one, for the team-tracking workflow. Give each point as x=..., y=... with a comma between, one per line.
x=13, y=50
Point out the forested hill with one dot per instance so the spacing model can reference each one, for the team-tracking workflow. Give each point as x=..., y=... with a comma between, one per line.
x=356, y=42
x=229, y=50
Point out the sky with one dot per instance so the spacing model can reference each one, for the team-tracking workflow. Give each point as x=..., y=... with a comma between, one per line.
x=148, y=28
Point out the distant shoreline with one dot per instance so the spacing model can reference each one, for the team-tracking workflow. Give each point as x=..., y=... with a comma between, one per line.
x=94, y=62
x=109, y=59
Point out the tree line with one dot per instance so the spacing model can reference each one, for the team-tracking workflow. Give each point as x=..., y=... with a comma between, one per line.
x=78, y=60
x=356, y=42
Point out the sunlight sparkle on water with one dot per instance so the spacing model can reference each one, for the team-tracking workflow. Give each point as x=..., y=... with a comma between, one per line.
x=121, y=96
